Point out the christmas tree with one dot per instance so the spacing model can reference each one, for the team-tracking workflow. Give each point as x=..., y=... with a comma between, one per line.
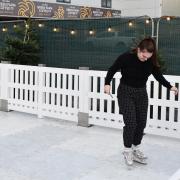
x=23, y=46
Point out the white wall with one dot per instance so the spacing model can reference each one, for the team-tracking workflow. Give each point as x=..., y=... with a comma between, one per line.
x=92, y=3
x=171, y=7
x=49, y=1
x=138, y=7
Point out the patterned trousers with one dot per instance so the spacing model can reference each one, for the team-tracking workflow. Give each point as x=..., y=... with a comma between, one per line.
x=133, y=105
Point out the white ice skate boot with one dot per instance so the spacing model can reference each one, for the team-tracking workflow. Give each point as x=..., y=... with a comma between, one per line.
x=128, y=156
x=138, y=153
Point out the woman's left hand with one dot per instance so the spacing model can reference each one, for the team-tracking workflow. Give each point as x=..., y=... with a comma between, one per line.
x=175, y=89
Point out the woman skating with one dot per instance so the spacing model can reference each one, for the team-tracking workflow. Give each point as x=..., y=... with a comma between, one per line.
x=135, y=66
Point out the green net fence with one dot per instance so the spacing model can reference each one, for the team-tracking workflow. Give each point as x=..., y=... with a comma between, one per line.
x=92, y=44
x=96, y=43
x=169, y=44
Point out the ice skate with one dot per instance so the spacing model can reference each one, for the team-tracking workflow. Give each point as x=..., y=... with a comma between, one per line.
x=139, y=159
x=128, y=156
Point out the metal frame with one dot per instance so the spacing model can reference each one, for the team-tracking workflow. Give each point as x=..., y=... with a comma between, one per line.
x=157, y=29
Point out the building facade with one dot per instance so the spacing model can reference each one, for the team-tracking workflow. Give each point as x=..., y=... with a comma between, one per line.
x=151, y=8
x=171, y=7
x=88, y=9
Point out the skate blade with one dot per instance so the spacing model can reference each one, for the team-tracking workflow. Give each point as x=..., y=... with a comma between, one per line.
x=143, y=161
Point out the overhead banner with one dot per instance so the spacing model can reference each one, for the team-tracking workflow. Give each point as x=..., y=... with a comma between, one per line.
x=36, y=9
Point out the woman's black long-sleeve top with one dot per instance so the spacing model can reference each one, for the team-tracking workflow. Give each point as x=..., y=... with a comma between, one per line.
x=134, y=72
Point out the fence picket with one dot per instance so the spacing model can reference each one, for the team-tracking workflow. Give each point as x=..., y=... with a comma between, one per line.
x=46, y=92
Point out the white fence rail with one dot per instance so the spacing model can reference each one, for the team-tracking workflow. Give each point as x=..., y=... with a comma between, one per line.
x=62, y=93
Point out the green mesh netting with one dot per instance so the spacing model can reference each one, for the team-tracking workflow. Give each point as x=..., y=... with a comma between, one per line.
x=169, y=44
x=97, y=51
x=60, y=48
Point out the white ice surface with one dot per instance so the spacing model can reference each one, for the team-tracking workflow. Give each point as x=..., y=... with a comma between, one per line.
x=50, y=149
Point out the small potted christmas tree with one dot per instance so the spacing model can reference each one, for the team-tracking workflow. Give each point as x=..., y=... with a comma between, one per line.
x=23, y=46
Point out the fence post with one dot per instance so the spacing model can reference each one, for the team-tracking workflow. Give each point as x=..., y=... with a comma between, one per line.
x=42, y=65
x=40, y=93
x=4, y=86
x=83, y=114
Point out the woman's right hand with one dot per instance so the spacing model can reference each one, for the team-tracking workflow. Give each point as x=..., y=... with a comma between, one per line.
x=107, y=89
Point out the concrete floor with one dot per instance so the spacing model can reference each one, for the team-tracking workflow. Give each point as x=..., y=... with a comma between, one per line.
x=51, y=149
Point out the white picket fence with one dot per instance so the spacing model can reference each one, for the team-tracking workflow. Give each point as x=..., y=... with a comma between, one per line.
x=62, y=93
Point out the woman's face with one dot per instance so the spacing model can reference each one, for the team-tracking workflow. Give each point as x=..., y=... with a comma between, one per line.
x=143, y=55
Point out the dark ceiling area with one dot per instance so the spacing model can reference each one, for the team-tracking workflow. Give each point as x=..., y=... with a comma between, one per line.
x=5, y=18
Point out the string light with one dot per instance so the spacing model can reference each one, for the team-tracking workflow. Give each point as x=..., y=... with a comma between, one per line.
x=91, y=32
x=130, y=23
x=27, y=26
x=15, y=26
x=55, y=29
x=40, y=25
x=109, y=29
x=147, y=21
x=72, y=32
x=168, y=18
x=4, y=29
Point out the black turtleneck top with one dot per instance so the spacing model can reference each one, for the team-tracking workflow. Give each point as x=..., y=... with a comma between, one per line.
x=134, y=72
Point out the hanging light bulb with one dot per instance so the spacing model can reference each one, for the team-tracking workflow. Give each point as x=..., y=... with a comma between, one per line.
x=168, y=18
x=40, y=25
x=109, y=29
x=15, y=26
x=91, y=32
x=27, y=26
x=72, y=32
x=130, y=23
x=55, y=29
x=147, y=21
x=4, y=29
